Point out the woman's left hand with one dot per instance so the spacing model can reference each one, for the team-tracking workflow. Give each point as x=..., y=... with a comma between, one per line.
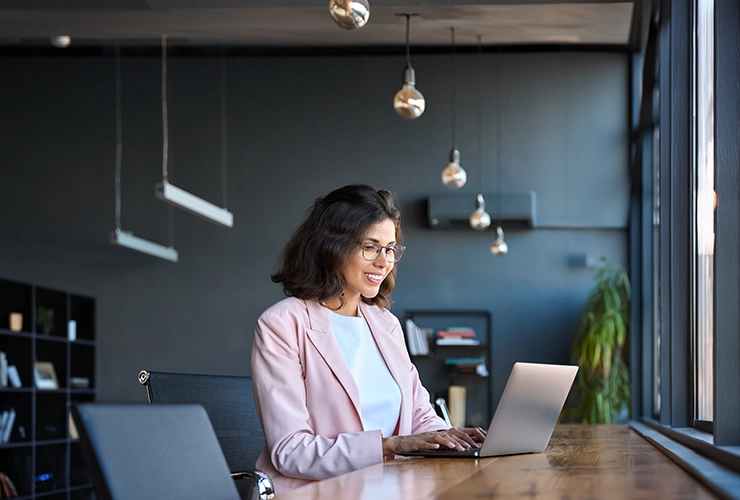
x=477, y=434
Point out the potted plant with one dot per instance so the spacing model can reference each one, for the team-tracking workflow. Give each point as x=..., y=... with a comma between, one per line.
x=45, y=319
x=603, y=381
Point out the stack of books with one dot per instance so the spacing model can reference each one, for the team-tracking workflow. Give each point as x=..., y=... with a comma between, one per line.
x=417, y=339
x=457, y=336
x=468, y=366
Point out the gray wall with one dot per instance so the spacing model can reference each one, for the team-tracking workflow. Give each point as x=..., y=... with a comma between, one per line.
x=297, y=128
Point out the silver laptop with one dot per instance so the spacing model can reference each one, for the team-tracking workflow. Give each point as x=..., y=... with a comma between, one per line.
x=526, y=415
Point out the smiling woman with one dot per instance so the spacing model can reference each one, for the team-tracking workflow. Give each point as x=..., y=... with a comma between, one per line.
x=333, y=382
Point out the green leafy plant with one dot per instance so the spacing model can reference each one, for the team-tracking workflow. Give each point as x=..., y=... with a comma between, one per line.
x=603, y=381
x=45, y=318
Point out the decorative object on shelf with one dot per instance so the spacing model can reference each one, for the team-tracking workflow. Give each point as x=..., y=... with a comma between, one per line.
x=453, y=175
x=14, y=378
x=479, y=219
x=175, y=196
x=44, y=375
x=445, y=412
x=45, y=319
x=499, y=246
x=15, y=321
x=119, y=236
x=7, y=488
x=72, y=330
x=408, y=102
x=457, y=395
x=603, y=383
x=79, y=382
x=350, y=14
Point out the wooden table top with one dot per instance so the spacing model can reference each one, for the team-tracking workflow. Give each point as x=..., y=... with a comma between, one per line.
x=581, y=462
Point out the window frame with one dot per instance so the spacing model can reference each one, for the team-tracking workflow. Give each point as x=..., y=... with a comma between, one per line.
x=672, y=273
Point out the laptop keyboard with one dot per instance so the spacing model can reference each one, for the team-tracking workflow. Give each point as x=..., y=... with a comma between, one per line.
x=449, y=451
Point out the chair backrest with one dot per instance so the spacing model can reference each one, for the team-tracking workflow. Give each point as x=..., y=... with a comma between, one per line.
x=152, y=452
x=229, y=402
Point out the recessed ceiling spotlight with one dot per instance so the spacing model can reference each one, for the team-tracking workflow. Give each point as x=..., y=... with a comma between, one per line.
x=61, y=41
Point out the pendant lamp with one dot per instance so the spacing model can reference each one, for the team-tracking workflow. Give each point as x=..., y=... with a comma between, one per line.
x=499, y=246
x=350, y=14
x=168, y=192
x=408, y=102
x=453, y=175
x=119, y=236
x=479, y=219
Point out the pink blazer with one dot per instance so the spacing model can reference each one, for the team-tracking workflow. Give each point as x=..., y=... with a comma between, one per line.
x=308, y=401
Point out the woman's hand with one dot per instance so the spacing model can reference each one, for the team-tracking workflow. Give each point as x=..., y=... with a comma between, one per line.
x=454, y=438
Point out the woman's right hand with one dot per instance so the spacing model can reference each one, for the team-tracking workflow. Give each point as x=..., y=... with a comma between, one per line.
x=453, y=438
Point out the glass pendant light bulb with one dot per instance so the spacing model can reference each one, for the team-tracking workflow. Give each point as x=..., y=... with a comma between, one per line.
x=350, y=14
x=499, y=246
x=479, y=219
x=453, y=175
x=408, y=102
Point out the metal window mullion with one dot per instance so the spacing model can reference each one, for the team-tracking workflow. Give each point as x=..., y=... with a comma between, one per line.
x=727, y=219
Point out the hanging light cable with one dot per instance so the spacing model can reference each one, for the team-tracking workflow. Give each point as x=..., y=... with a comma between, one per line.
x=119, y=236
x=499, y=246
x=408, y=102
x=479, y=219
x=453, y=175
x=168, y=192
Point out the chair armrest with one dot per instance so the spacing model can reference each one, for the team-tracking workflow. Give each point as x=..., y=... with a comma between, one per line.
x=265, y=488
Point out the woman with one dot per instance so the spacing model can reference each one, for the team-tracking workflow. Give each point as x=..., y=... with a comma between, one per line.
x=333, y=382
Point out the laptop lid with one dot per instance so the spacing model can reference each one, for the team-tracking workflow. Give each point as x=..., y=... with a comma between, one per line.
x=526, y=414
x=529, y=409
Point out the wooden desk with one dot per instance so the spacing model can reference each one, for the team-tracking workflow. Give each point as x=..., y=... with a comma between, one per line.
x=581, y=462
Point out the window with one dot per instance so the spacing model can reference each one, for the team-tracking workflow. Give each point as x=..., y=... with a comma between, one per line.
x=703, y=210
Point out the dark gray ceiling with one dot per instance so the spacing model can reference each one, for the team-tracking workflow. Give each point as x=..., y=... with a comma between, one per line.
x=293, y=23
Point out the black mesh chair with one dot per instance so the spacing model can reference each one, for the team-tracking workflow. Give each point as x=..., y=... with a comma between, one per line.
x=229, y=402
x=152, y=452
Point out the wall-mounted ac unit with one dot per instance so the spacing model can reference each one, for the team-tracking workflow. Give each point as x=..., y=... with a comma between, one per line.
x=452, y=210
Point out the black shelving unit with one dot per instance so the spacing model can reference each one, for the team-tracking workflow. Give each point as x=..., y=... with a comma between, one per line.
x=42, y=458
x=436, y=376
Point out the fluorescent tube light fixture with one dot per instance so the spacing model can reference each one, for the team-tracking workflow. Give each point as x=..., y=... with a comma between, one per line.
x=191, y=203
x=128, y=240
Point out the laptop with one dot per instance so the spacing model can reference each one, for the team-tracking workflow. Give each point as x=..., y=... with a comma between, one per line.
x=526, y=415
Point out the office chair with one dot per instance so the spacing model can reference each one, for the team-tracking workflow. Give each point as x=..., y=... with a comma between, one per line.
x=152, y=452
x=229, y=402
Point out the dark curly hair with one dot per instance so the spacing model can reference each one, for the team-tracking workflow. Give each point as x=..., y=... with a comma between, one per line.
x=310, y=265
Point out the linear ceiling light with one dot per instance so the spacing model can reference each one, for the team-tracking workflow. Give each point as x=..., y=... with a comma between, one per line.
x=119, y=236
x=174, y=195
x=128, y=240
x=191, y=203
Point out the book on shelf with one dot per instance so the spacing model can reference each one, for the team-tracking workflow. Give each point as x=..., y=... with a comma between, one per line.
x=457, y=332
x=6, y=425
x=417, y=339
x=3, y=369
x=457, y=341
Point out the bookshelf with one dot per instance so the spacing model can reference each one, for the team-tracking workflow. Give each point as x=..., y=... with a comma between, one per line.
x=40, y=456
x=437, y=375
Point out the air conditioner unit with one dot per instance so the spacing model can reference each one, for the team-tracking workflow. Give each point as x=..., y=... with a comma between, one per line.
x=452, y=210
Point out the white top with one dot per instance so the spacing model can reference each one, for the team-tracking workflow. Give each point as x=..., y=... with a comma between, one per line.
x=380, y=397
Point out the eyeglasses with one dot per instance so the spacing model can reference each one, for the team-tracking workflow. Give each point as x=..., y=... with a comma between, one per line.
x=371, y=251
